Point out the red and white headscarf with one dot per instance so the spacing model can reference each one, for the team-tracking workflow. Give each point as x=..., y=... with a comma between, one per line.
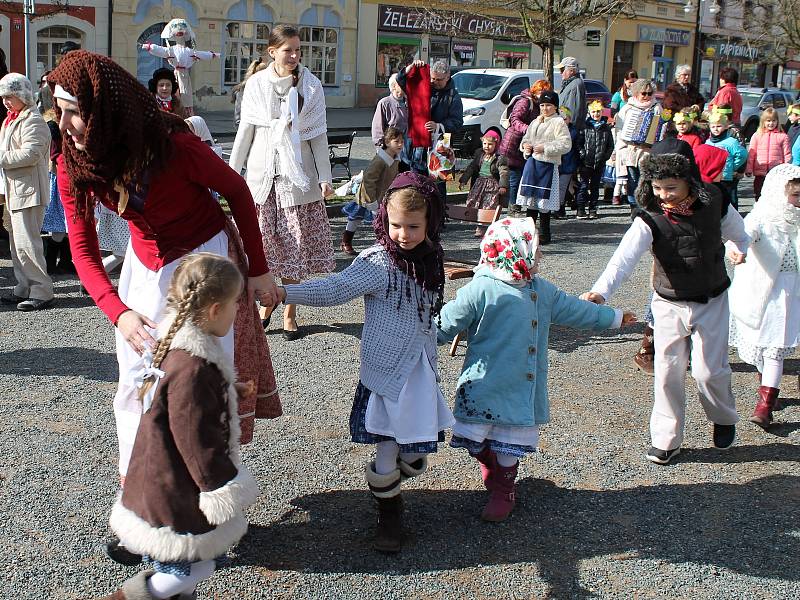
x=510, y=250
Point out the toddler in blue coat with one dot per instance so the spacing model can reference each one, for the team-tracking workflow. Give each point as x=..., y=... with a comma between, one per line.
x=506, y=311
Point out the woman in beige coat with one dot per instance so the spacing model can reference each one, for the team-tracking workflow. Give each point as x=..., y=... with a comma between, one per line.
x=24, y=152
x=282, y=138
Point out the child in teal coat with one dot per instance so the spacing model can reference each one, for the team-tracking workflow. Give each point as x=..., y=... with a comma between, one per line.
x=506, y=310
x=718, y=124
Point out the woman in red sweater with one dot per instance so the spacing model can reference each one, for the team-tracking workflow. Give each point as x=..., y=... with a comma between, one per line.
x=121, y=151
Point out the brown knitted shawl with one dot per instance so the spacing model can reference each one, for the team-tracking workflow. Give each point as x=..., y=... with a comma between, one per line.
x=126, y=133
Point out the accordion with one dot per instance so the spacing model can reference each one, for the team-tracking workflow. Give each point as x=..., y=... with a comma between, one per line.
x=642, y=128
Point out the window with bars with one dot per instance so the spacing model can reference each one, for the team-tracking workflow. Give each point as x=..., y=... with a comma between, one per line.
x=50, y=40
x=245, y=43
x=319, y=47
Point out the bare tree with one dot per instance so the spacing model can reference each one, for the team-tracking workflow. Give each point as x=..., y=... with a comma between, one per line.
x=774, y=23
x=545, y=23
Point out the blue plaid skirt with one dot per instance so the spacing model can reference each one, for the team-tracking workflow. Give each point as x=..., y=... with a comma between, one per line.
x=180, y=568
x=474, y=447
x=355, y=211
x=360, y=435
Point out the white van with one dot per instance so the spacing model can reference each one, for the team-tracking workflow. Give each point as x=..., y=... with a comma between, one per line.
x=485, y=94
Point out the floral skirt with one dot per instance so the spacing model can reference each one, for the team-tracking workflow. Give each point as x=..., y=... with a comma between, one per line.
x=297, y=239
x=483, y=194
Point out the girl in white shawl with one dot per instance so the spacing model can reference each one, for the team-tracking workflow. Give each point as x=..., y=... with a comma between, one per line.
x=282, y=140
x=765, y=294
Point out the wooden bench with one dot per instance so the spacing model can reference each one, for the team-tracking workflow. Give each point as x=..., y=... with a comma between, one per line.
x=462, y=270
x=339, y=147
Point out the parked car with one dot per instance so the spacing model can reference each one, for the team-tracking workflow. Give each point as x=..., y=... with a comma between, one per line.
x=485, y=94
x=755, y=100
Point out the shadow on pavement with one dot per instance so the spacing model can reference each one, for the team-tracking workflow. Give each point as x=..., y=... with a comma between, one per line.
x=60, y=362
x=709, y=523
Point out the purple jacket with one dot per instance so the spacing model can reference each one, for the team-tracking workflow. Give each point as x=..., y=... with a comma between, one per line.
x=389, y=113
x=522, y=113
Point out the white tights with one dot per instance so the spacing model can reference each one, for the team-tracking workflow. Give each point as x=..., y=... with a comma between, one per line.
x=164, y=585
x=506, y=460
x=771, y=372
x=386, y=454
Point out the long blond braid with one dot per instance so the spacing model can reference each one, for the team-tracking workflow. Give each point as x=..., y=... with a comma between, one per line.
x=200, y=280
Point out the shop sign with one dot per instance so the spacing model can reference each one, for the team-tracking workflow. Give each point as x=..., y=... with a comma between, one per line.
x=464, y=51
x=730, y=50
x=660, y=35
x=593, y=37
x=512, y=54
x=404, y=18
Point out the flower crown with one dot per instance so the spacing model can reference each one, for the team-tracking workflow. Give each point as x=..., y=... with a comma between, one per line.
x=596, y=105
x=685, y=116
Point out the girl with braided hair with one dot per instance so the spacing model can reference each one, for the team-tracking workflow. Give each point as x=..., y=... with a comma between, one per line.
x=186, y=490
x=120, y=151
x=398, y=405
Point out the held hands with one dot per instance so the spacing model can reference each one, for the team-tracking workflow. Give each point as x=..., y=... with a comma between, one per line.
x=596, y=298
x=262, y=287
x=735, y=257
x=628, y=319
x=133, y=328
x=281, y=294
x=327, y=189
x=539, y=148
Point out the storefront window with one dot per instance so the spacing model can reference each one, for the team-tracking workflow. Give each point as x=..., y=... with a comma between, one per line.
x=394, y=53
x=48, y=42
x=464, y=54
x=245, y=43
x=319, y=46
x=440, y=50
x=511, y=56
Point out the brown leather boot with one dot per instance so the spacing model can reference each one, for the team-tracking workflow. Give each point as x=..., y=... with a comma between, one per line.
x=644, y=358
x=767, y=399
x=347, y=243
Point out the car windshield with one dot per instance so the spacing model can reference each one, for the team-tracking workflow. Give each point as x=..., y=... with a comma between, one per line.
x=751, y=99
x=479, y=86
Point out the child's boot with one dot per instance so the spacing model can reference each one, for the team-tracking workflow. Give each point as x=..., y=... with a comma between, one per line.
x=412, y=469
x=347, y=243
x=767, y=401
x=582, y=213
x=502, y=498
x=386, y=490
x=488, y=461
x=644, y=358
x=544, y=228
x=134, y=588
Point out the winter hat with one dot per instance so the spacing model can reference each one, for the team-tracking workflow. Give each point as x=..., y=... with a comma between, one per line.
x=19, y=86
x=509, y=250
x=491, y=135
x=158, y=75
x=548, y=97
x=672, y=145
x=773, y=206
x=710, y=160
x=668, y=166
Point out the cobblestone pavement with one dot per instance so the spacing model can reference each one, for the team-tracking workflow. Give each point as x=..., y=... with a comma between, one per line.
x=594, y=519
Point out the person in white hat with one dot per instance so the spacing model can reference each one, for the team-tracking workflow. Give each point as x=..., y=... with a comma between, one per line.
x=24, y=152
x=573, y=91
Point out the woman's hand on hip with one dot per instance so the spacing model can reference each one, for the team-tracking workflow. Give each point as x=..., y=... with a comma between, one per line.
x=326, y=188
x=133, y=327
x=263, y=287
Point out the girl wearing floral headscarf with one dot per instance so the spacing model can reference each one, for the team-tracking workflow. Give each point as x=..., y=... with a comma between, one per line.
x=398, y=405
x=765, y=294
x=507, y=310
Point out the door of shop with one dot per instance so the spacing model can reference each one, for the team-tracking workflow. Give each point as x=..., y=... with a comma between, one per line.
x=623, y=62
x=662, y=67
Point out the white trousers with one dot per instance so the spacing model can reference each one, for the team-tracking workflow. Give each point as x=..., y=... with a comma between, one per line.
x=27, y=253
x=145, y=291
x=681, y=328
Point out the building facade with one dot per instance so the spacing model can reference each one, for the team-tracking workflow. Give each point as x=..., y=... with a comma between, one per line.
x=238, y=29
x=51, y=24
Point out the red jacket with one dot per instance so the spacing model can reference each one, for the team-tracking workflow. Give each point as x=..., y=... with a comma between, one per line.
x=179, y=214
x=728, y=94
x=691, y=138
x=767, y=149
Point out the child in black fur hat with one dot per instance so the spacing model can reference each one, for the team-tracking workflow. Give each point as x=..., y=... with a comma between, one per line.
x=164, y=87
x=683, y=224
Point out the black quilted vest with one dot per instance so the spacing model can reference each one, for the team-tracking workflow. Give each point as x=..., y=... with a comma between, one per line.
x=689, y=255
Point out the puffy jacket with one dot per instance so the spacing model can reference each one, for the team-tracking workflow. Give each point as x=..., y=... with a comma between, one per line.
x=522, y=111
x=737, y=154
x=796, y=152
x=595, y=143
x=767, y=149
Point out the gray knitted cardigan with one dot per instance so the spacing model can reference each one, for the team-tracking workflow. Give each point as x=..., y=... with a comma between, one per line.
x=393, y=336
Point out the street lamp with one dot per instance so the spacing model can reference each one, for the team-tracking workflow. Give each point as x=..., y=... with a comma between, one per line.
x=713, y=9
